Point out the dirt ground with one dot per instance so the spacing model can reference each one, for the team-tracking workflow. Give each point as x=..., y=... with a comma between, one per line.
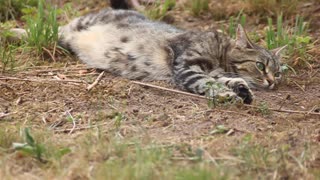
x=35, y=97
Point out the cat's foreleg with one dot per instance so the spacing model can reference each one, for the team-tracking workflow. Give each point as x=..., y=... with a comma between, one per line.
x=200, y=83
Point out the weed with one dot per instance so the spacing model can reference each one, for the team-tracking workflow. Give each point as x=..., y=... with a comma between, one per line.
x=30, y=147
x=271, y=7
x=67, y=12
x=42, y=30
x=198, y=6
x=263, y=108
x=12, y=9
x=154, y=162
x=118, y=118
x=6, y=57
x=211, y=89
x=233, y=23
x=254, y=157
x=7, y=46
x=220, y=129
x=136, y=164
x=37, y=150
x=159, y=10
x=7, y=137
x=197, y=173
x=296, y=39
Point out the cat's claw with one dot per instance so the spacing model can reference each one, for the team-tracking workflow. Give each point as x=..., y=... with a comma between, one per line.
x=244, y=92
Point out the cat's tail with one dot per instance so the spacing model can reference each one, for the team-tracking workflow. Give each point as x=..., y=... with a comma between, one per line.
x=127, y=4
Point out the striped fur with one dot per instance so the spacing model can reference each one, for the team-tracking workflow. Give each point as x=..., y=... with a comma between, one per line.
x=128, y=44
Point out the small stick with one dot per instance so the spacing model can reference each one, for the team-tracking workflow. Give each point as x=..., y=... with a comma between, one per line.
x=72, y=75
x=286, y=110
x=96, y=81
x=44, y=120
x=52, y=57
x=203, y=97
x=2, y=115
x=41, y=80
x=54, y=49
x=73, y=121
x=53, y=70
x=170, y=90
x=213, y=160
x=82, y=128
x=298, y=86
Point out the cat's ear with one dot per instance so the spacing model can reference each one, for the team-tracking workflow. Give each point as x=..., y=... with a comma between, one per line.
x=242, y=40
x=278, y=51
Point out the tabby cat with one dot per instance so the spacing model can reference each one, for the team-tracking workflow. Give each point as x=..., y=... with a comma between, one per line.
x=128, y=44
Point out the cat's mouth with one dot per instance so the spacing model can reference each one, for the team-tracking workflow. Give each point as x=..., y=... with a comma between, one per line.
x=264, y=84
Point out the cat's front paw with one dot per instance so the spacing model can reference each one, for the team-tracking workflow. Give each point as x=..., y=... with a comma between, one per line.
x=241, y=88
x=219, y=92
x=226, y=96
x=244, y=92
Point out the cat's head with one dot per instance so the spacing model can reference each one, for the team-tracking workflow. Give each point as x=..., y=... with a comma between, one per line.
x=262, y=66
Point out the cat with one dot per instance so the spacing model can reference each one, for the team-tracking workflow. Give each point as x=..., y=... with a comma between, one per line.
x=126, y=43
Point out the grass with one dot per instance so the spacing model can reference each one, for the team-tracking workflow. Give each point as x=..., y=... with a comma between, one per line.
x=37, y=150
x=7, y=58
x=272, y=7
x=198, y=6
x=159, y=10
x=42, y=35
x=296, y=38
x=263, y=108
x=97, y=155
x=12, y=9
x=234, y=21
x=42, y=29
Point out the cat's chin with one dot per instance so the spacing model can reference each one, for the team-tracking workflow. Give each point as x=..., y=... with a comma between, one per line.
x=262, y=87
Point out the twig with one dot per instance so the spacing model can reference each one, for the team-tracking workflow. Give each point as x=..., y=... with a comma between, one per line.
x=53, y=70
x=44, y=120
x=170, y=90
x=54, y=49
x=41, y=80
x=96, y=81
x=52, y=57
x=298, y=86
x=2, y=115
x=213, y=160
x=73, y=121
x=286, y=110
x=71, y=75
x=82, y=128
x=203, y=97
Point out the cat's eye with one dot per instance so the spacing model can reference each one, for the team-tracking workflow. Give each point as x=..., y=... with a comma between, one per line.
x=260, y=66
x=277, y=74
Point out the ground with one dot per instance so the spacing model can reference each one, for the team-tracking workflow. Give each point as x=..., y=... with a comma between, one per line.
x=123, y=130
